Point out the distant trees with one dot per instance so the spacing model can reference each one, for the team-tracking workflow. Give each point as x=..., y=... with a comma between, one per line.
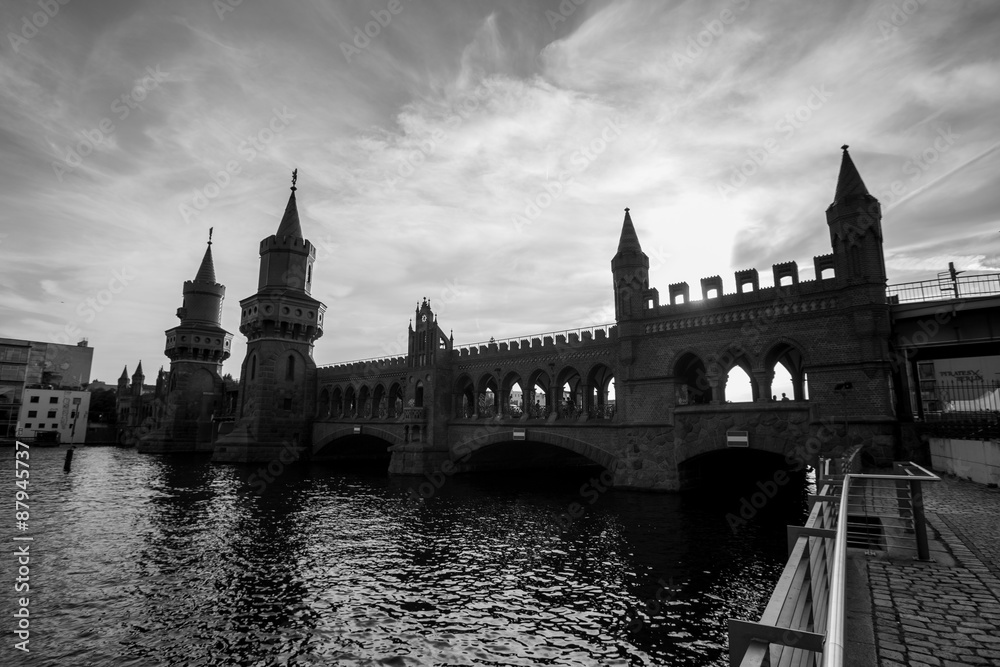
x=103, y=406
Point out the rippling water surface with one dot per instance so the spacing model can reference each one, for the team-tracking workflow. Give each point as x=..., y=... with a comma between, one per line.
x=142, y=560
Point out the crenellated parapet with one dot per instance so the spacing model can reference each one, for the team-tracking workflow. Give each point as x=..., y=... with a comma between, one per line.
x=363, y=368
x=539, y=343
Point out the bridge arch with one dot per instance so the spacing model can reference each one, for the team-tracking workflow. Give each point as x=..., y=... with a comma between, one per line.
x=506, y=389
x=728, y=361
x=380, y=405
x=350, y=401
x=323, y=404
x=336, y=402
x=487, y=395
x=538, y=403
x=364, y=402
x=735, y=468
x=467, y=449
x=790, y=355
x=465, y=397
x=691, y=379
x=568, y=391
x=396, y=400
x=342, y=444
x=600, y=384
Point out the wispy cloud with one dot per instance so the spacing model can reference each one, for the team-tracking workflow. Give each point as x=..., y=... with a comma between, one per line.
x=419, y=155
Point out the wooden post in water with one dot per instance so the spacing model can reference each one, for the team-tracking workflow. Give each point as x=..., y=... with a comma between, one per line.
x=69, y=459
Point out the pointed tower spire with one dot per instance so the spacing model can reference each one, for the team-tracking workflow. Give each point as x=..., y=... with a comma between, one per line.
x=629, y=241
x=290, y=221
x=124, y=375
x=630, y=270
x=849, y=183
x=138, y=370
x=206, y=272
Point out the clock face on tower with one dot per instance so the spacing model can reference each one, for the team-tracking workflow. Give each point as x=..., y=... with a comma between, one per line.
x=424, y=318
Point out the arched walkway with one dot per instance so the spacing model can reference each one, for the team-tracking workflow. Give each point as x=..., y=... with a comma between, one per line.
x=691, y=380
x=790, y=357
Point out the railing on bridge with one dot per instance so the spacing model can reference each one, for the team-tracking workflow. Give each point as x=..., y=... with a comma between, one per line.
x=803, y=623
x=540, y=412
x=986, y=284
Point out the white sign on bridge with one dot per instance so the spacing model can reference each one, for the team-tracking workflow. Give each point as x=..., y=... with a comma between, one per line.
x=737, y=438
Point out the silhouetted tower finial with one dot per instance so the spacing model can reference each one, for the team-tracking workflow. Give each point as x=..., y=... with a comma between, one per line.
x=855, y=221
x=295, y=177
x=630, y=271
x=206, y=272
x=849, y=183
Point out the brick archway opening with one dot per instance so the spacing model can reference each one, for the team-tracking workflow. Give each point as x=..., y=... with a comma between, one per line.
x=742, y=472
x=529, y=455
x=354, y=451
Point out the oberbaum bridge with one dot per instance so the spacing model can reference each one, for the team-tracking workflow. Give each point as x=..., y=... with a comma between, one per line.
x=849, y=344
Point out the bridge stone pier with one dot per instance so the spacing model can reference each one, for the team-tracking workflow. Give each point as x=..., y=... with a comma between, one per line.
x=649, y=398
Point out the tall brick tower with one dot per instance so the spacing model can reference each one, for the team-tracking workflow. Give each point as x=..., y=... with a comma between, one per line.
x=630, y=271
x=281, y=322
x=196, y=348
x=427, y=396
x=855, y=221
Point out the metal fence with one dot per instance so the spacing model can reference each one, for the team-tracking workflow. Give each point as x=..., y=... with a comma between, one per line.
x=986, y=284
x=959, y=409
x=803, y=623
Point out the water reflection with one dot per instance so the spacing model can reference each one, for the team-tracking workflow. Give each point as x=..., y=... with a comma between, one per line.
x=146, y=560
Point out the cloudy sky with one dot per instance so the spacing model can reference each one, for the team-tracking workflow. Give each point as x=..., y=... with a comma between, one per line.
x=475, y=153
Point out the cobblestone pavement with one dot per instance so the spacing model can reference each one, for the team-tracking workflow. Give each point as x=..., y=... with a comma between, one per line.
x=946, y=612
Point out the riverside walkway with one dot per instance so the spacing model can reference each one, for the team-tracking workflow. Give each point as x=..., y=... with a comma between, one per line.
x=945, y=612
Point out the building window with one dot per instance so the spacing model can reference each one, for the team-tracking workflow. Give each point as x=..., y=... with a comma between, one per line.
x=27, y=426
x=72, y=415
x=287, y=404
x=54, y=426
x=53, y=399
x=76, y=401
x=52, y=414
x=34, y=399
x=15, y=373
x=32, y=413
x=253, y=367
x=290, y=370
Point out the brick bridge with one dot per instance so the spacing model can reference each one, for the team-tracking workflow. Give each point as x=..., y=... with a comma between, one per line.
x=648, y=398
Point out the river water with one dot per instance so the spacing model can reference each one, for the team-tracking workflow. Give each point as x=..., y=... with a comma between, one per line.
x=144, y=560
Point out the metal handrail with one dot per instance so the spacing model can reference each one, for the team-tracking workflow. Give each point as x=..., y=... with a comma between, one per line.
x=983, y=284
x=749, y=642
x=833, y=649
